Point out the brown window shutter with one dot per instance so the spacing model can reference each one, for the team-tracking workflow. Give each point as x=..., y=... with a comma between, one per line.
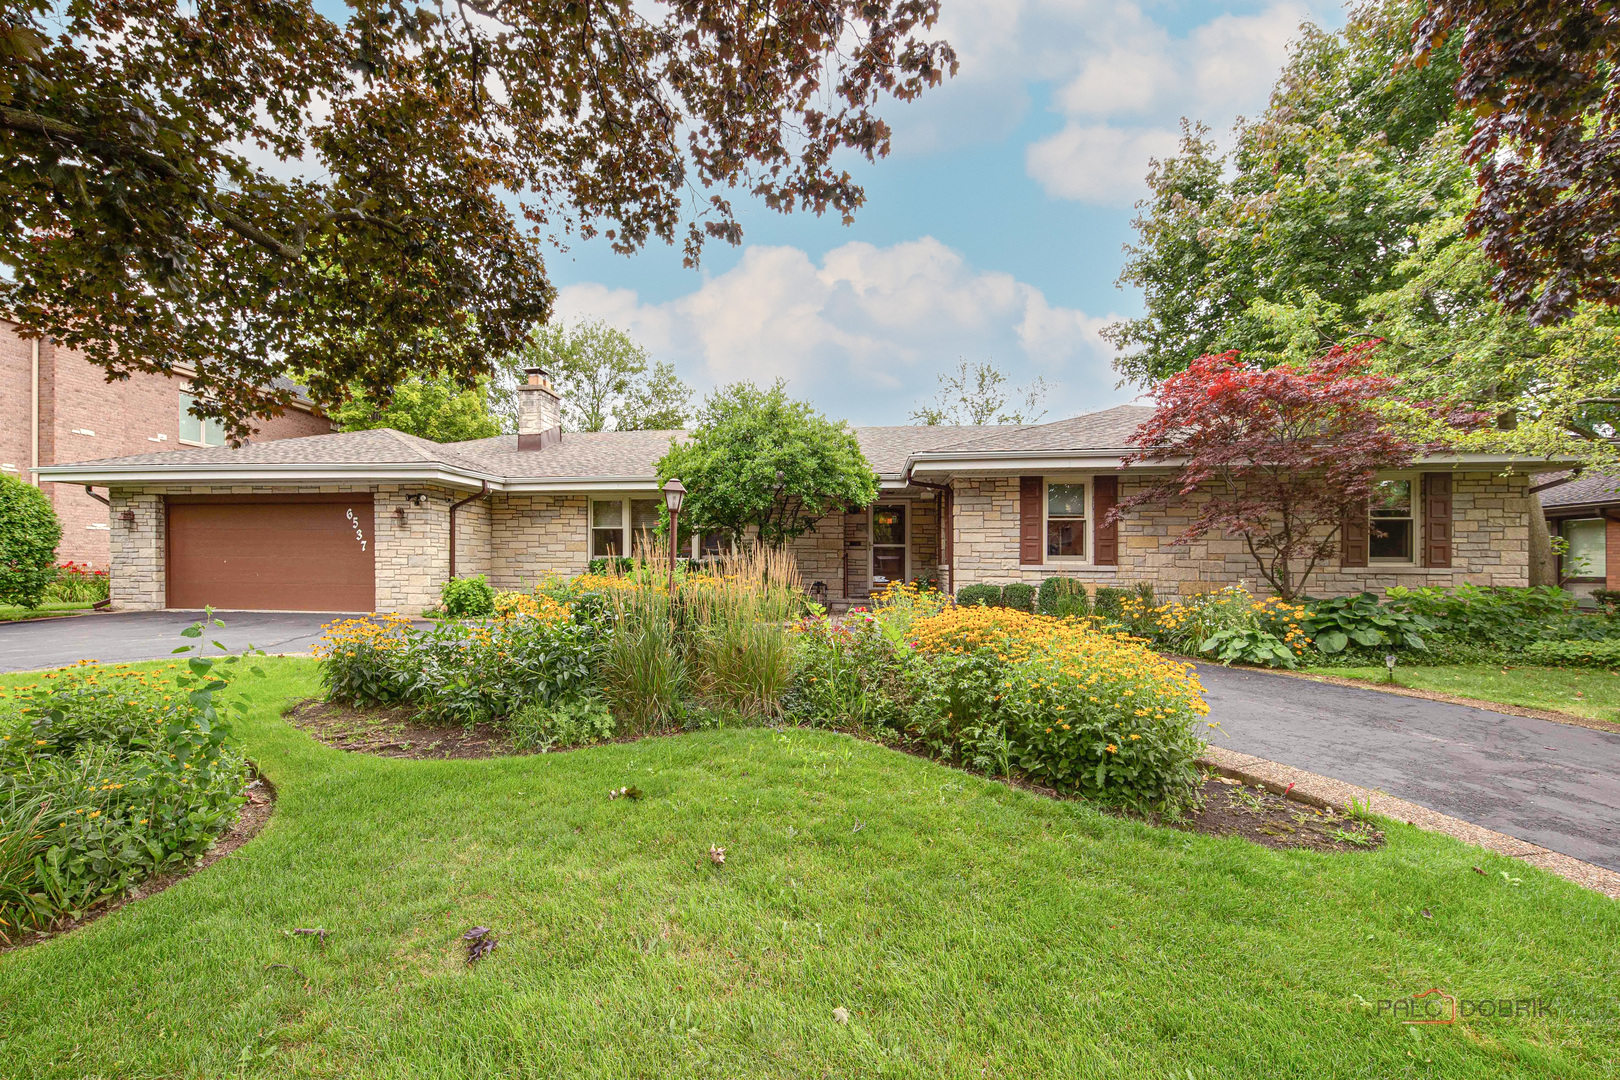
x=1353, y=538
x=1437, y=519
x=1104, y=494
x=1031, y=520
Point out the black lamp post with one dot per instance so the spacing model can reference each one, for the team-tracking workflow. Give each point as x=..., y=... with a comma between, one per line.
x=674, y=495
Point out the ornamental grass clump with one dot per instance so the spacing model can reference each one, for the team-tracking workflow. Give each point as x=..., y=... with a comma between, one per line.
x=739, y=644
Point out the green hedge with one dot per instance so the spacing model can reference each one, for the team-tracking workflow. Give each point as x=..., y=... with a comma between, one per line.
x=29, y=533
x=1575, y=653
x=1018, y=596
x=982, y=595
x=1063, y=596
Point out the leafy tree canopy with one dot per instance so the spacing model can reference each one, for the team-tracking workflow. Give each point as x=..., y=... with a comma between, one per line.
x=254, y=190
x=434, y=408
x=1541, y=77
x=1324, y=188
x=758, y=463
x=605, y=378
x=978, y=394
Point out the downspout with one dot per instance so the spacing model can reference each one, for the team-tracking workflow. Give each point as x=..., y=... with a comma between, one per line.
x=947, y=507
x=34, y=395
x=479, y=494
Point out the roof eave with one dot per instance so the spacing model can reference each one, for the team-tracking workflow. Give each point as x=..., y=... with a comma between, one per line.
x=228, y=473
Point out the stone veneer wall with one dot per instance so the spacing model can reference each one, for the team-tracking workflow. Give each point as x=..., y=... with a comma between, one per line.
x=532, y=536
x=820, y=555
x=412, y=556
x=1491, y=545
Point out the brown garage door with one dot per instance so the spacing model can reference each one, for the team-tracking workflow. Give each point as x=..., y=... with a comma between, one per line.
x=271, y=552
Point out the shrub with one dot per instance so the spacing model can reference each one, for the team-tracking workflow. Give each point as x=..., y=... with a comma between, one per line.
x=467, y=597
x=611, y=564
x=979, y=595
x=1608, y=600
x=459, y=672
x=77, y=583
x=849, y=674
x=541, y=727
x=1602, y=654
x=1081, y=710
x=1502, y=617
x=1228, y=625
x=1360, y=623
x=1018, y=596
x=107, y=776
x=1108, y=602
x=29, y=533
x=1063, y=597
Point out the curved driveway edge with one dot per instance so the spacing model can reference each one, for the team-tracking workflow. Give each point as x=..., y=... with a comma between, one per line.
x=1325, y=791
x=1548, y=784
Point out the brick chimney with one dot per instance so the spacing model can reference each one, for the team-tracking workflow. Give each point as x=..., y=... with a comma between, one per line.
x=539, y=412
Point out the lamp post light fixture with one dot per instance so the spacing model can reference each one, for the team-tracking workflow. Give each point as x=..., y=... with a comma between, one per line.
x=1389, y=662
x=674, y=495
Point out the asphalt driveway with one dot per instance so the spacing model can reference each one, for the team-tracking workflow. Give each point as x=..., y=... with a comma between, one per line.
x=1551, y=784
x=118, y=637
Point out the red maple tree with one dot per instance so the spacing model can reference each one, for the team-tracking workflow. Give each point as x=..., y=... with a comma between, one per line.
x=1278, y=457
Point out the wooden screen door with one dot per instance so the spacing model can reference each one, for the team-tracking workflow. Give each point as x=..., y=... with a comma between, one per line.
x=888, y=545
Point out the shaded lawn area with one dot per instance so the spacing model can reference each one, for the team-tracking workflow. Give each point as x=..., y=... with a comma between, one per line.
x=1589, y=692
x=44, y=611
x=971, y=929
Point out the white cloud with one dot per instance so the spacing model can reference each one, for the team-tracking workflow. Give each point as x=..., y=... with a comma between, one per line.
x=865, y=331
x=1119, y=80
x=1123, y=106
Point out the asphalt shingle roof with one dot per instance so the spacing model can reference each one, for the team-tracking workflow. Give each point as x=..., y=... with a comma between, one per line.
x=1595, y=487
x=625, y=454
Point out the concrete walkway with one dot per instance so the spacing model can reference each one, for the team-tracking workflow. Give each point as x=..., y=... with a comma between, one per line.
x=121, y=637
x=1548, y=783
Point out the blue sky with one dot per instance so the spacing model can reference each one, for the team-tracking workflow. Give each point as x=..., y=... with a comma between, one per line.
x=992, y=232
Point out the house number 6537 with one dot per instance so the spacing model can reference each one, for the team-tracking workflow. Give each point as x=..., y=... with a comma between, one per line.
x=359, y=533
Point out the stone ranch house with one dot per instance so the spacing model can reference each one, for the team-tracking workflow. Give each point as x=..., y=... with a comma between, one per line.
x=378, y=520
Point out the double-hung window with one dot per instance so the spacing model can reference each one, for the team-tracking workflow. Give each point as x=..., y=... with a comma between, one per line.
x=620, y=525
x=1392, y=537
x=1066, y=520
x=196, y=431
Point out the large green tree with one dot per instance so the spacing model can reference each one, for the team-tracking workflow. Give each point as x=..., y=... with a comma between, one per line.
x=256, y=189
x=434, y=408
x=1271, y=249
x=606, y=379
x=759, y=464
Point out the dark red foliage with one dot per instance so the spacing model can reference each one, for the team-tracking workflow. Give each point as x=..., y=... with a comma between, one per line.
x=1277, y=457
x=1541, y=76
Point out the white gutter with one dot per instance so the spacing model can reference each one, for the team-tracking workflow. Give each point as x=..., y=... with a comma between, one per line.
x=34, y=394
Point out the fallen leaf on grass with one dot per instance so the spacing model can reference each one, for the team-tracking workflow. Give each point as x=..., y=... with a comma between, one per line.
x=841, y=1015
x=480, y=943
x=717, y=855
x=625, y=793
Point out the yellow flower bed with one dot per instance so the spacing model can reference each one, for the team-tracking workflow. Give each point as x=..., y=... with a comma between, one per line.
x=1079, y=708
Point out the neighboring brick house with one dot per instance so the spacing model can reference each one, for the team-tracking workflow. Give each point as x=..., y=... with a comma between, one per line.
x=56, y=406
x=1585, y=512
x=365, y=520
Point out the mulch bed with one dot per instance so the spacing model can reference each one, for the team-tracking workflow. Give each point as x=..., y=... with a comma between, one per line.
x=1232, y=808
x=395, y=733
x=261, y=801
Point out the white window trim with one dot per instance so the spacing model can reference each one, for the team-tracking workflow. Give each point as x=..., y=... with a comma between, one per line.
x=1089, y=559
x=1416, y=480
x=872, y=545
x=1584, y=578
x=185, y=412
x=626, y=522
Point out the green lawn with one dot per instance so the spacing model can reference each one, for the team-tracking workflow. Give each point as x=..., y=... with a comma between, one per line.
x=1582, y=691
x=970, y=929
x=44, y=611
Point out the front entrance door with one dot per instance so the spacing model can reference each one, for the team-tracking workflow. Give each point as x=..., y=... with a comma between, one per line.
x=888, y=545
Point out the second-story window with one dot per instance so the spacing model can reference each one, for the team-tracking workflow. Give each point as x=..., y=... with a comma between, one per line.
x=196, y=431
